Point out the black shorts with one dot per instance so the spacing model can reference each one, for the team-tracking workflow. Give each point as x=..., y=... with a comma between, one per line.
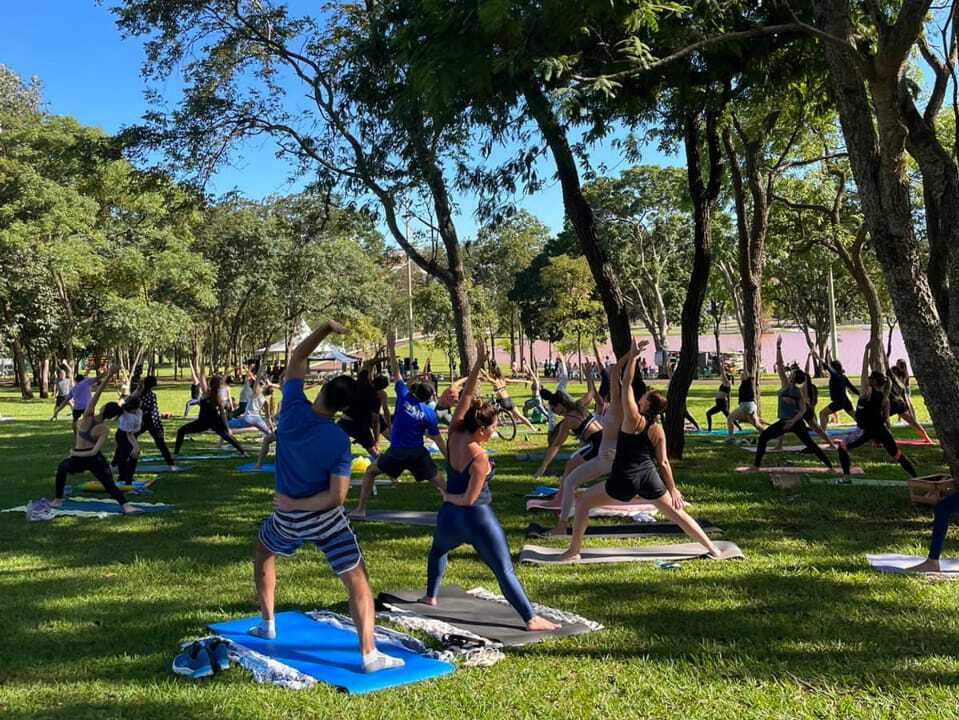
x=810, y=416
x=845, y=404
x=361, y=432
x=506, y=404
x=897, y=407
x=642, y=480
x=417, y=460
x=77, y=414
x=590, y=451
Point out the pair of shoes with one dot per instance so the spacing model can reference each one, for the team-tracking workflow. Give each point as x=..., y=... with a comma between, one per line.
x=40, y=510
x=204, y=658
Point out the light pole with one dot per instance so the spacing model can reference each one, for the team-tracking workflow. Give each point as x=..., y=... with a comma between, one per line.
x=832, y=316
x=409, y=291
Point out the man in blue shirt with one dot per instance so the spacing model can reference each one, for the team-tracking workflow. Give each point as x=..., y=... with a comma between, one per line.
x=412, y=418
x=312, y=478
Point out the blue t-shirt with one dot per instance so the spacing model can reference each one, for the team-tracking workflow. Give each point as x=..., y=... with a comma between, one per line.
x=309, y=448
x=411, y=419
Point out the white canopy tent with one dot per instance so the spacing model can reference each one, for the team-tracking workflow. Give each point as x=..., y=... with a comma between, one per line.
x=325, y=352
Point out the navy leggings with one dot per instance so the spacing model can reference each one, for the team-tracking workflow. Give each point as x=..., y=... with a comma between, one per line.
x=477, y=526
x=948, y=506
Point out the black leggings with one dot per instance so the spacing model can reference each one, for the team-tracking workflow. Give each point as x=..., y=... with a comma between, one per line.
x=156, y=432
x=202, y=425
x=720, y=406
x=884, y=437
x=799, y=429
x=124, y=460
x=95, y=464
x=690, y=418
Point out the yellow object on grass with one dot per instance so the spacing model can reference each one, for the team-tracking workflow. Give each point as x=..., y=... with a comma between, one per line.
x=360, y=464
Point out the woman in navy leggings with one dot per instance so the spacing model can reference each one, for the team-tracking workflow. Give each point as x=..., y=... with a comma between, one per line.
x=466, y=516
x=944, y=510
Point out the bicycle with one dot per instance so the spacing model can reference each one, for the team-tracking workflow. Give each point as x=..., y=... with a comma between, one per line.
x=505, y=422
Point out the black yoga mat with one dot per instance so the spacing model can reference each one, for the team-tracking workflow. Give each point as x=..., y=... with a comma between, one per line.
x=487, y=618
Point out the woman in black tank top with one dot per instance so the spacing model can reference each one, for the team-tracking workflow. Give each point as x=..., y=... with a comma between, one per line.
x=641, y=467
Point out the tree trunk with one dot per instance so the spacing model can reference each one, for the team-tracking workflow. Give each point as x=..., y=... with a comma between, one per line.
x=20, y=370
x=45, y=378
x=874, y=131
x=580, y=216
x=703, y=195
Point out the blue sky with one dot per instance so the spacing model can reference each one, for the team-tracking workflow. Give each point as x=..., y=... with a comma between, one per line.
x=90, y=72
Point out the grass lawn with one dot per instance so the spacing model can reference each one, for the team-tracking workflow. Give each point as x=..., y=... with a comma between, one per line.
x=94, y=609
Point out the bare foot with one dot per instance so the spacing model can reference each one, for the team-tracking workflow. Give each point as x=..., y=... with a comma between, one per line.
x=427, y=600
x=58, y=502
x=129, y=509
x=926, y=566
x=538, y=624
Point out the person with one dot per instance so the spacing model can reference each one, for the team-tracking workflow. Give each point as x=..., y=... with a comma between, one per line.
x=312, y=479
x=872, y=416
x=195, y=398
x=790, y=412
x=562, y=374
x=246, y=392
x=900, y=402
x=447, y=401
x=361, y=420
x=212, y=416
x=602, y=464
x=466, y=516
x=152, y=422
x=576, y=420
x=412, y=418
x=129, y=424
x=62, y=389
x=501, y=393
x=534, y=408
x=747, y=410
x=812, y=399
x=838, y=386
x=255, y=411
x=721, y=399
x=641, y=467
x=87, y=455
x=80, y=395
x=946, y=508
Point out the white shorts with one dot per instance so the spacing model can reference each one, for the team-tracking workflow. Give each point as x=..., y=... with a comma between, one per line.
x=746, y=409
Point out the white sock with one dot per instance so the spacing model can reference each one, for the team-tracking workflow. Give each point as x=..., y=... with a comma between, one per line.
x=375, y=661
x=266, y=630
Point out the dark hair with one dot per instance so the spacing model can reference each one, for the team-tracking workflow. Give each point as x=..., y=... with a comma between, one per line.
x=836, y=365
x=422, y=391
x=381, y=382
x=338, y=392
x=562, y=399
x=111, y=410
x=267, y=391
x=799, y=377
x=81, y=378
x=478, y=415
x=363, y=376
x=149, y=382
x=657, y=402
x=898, y=372
x=214, y=386
x=877, y=378
x=639, y=387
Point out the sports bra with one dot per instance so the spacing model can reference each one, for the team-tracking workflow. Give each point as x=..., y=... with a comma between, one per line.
x=87, y=435
x=457, y=482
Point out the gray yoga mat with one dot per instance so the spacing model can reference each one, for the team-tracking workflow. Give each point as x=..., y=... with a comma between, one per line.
x=539, y=555
x=490, y=619
x=418, y=518
x=535, y=530
x=538, y=456
x=857, y=481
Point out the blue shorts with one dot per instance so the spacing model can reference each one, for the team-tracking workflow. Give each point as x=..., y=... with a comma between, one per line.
x=283, y=533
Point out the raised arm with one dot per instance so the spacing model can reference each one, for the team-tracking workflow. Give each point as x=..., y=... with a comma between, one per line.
x=469, y=388
x=92, y=405
x=599, y=360
x=67, y=369
x=780, y=365
x=864, y=377
x=632, y=419
x=299, y=358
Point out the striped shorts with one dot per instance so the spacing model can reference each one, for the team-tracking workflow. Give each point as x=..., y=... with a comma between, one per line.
x=283, y=533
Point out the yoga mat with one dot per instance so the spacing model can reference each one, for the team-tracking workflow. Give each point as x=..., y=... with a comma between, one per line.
x=538, y=457
x=785, y=448
x=97, y=486
x=270, y=468
x=624, y=510
x=538, y=555
x=859, y=481
x=159, y=460
x=535, y=530
x=797, y=470
x=719, y=431
x=490, y=619
x=898, y=564
x=542, y=491
x=330, y=654
x=94, y=507
x=916, y=442
x=400, y=517
x=147, y=468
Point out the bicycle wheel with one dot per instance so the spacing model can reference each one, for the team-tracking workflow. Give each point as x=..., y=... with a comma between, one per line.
x=505, y=425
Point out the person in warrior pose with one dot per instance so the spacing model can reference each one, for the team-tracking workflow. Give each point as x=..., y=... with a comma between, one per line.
x=312, y=478
x=466, y=516
x=748, y=408
x=641, y=467
x=839, y=384
x=212, y=416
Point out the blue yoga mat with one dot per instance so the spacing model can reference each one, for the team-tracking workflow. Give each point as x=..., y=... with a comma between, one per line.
x=265, y=468
x=541, y=491
x=109, y=506
x=329, y=654
x=158, y=459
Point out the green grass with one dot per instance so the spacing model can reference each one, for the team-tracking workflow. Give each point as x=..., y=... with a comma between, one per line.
x=94, y=609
